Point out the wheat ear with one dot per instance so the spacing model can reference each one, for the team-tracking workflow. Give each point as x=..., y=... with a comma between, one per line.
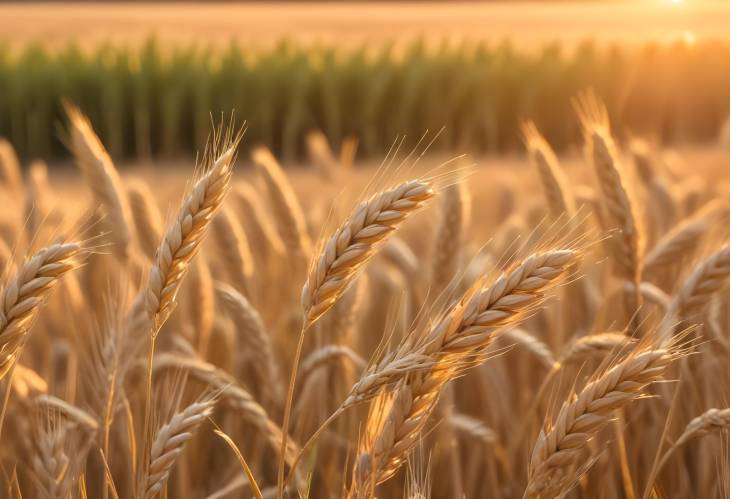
x=467, y=329
x=707, y=277
x=288, y=213
x=448, y=242
x=146, y=215
x=459, y=340
x=106, y=186
x=168, y=444
x=684, y=237
x=620, y=207
x=24, y=294
x=264, y=237
x=182, y=239
x=342, y=256
x=559, y=198
x=231, y=394
x=555, y=458
x=10, y=174
x=356, y=241
x=253, y=333
x=234, y=251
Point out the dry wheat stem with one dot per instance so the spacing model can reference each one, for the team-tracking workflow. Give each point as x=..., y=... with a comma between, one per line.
x=556, y=454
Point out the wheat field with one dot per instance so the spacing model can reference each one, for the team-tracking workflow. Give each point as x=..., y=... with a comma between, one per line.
x=426, y=327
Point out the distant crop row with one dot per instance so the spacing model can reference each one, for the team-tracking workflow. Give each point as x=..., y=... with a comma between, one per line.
x=156, y=101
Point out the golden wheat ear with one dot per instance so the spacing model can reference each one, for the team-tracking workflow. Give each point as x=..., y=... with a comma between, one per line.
x=182, y=239
x=24, y=295
x=557, y=454
x=103, y=178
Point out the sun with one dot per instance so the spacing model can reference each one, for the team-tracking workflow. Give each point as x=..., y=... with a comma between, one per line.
x=676, y=2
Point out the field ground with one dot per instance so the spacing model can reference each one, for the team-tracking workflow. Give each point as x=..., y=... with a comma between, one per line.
x=525, y=23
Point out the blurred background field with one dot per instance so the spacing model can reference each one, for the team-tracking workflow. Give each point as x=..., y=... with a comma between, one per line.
x=150, y=75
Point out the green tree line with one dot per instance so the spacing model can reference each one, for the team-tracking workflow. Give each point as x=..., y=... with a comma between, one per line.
x=155, y=102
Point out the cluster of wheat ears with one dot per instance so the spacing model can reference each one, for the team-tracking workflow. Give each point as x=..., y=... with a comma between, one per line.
x=363, y=365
